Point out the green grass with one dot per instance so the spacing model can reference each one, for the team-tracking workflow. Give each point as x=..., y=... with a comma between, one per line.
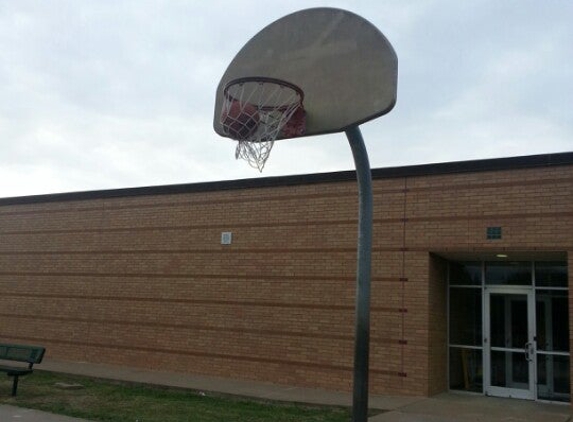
x=110, y=401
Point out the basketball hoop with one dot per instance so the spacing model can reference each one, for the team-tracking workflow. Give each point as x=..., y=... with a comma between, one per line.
x=258, y=110
x=352, y=70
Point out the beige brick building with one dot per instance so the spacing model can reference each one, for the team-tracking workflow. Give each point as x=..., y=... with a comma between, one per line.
x=470, y=277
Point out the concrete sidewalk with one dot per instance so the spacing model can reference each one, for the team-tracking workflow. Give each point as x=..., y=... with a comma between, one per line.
x=452, y=407
x=19, y=414
x=447, y=407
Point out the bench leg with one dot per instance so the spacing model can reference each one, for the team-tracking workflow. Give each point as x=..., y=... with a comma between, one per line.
x=15, y=385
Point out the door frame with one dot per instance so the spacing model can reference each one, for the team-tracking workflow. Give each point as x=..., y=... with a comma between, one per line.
x=526, y=393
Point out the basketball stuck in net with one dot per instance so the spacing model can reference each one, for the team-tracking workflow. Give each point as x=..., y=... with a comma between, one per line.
x=256, y=111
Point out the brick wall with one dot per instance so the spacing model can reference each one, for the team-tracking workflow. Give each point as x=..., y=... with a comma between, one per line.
x=142, y=280
x=437, y=321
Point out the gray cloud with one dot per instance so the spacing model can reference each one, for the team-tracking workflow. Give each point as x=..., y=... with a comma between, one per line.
x=111, y=94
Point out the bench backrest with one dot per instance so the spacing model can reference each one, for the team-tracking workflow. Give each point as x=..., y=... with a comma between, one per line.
x=21, y=353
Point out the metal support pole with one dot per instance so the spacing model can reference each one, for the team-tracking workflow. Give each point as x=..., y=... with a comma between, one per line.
x=15, y=385
x=362, y=340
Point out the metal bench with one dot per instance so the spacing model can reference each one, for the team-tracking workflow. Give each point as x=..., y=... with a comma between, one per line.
x=28, y=355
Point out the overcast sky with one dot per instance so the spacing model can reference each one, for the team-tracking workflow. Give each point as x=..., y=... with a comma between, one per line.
x=107, y=94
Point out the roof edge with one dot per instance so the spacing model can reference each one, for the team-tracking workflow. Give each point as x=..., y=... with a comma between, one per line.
x=475, y=166
x=470, y=166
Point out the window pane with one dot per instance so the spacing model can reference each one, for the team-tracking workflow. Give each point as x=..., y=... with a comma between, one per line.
x=551, y=274
x=465, y=273
x=552, y=310
x=509, y=370
x=466, y=369
x=508, y=273
x=465, y=316
x=508, y=320
x=553, y=378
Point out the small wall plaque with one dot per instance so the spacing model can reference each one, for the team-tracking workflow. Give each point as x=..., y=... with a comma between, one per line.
x=226, y=238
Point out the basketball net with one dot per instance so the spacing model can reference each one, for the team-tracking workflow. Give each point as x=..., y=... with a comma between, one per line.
x=256, y=111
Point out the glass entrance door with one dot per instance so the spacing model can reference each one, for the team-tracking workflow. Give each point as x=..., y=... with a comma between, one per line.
x=509, y=342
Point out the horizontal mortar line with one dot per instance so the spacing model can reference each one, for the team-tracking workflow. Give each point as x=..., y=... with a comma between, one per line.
x=220, y=226
x=276, y=333
x=441, y=248
x=226, y=277
x=187, y=204
x=513, y=216
x=225, y=356
x=52, y=211
x=387, y=191
x=305, y=224
x=496, y=248
x=181, y=251
x=490, y=185
x=203, y=302
x=199, y=251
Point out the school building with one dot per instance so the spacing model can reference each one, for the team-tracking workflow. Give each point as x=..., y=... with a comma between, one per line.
x=255, y=279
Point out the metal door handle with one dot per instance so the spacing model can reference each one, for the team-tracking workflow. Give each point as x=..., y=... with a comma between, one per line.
x=528, y=349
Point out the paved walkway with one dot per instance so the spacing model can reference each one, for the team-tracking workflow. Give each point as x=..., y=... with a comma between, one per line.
x=447, y=407
x=19, y=414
